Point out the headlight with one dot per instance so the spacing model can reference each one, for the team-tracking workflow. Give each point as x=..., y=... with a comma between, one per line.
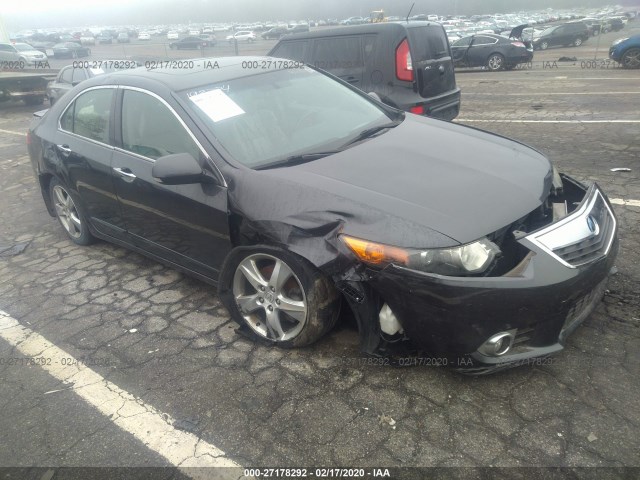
x=468, y=259
x=620, y=40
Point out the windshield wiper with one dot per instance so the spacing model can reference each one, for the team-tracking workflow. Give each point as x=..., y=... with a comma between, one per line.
x=297, y=159
x=369, y=132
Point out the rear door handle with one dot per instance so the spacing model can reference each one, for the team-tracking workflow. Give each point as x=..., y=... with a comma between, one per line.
x=65, y=149
x=126, y=174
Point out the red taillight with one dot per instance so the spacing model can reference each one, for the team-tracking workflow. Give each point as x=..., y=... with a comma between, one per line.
x=418, y=109
x=404, y=67
x=518, y=44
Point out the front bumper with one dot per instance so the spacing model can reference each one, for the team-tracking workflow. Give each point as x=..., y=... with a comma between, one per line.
x=542, y=301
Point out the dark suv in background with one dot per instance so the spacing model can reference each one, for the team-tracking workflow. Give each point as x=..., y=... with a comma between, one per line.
x=408, y=66
x=567, y=34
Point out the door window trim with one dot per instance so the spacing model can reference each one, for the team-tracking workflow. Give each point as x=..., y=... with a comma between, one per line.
x=184, y=125
x=72, y=102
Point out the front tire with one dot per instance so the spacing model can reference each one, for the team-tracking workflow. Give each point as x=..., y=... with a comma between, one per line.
x=281, y=297
x=577, y=42
x=69, y=213
x=631, y=58
x=544, y=45
x=495, y=62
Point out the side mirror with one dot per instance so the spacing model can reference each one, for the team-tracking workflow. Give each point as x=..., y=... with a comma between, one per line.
x=179, y=169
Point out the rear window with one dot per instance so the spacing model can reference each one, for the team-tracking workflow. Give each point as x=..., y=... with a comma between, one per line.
x=428, y=43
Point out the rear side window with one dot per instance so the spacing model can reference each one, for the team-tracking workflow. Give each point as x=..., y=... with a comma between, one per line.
x=88, y=116
x=428, y=43
x=339, y=52
x=291, y=50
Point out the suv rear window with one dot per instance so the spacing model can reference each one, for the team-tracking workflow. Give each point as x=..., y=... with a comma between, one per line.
x=428, y=43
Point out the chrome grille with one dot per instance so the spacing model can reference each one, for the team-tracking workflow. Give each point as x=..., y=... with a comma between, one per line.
x=595, y=246
x=582, y=237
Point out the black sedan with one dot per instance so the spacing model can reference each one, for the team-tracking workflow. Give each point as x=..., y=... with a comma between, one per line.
x=189, y=43
x=294, y=192
x=491, y=51
x=275, y=32
x=70, y=50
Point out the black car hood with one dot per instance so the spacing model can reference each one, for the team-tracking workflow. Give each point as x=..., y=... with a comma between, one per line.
x=424, y=183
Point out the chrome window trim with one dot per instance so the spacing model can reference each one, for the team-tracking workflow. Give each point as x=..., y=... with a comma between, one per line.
x=593, y=194
x=113, y=87
x=184, y=125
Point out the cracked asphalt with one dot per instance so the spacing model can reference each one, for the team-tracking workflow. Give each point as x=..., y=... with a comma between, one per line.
x=166, y=339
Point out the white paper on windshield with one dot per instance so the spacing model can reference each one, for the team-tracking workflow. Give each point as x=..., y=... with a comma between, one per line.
x=96, y=71
x=216, y=105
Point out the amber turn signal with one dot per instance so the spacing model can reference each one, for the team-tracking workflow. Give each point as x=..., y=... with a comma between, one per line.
x=375, y=253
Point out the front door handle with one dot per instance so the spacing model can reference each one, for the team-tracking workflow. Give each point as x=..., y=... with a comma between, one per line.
x=66, y=151
x=126, y=174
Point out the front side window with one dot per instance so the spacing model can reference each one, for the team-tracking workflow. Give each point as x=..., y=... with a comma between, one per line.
x=89, y=115
x=268, y=117
x=291, y=50
x=150, y=129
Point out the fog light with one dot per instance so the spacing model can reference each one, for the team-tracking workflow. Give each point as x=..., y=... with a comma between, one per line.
x=498, y=344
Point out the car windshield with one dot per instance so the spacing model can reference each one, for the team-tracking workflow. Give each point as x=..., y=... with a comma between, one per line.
x=266, y=118
x=23, y=47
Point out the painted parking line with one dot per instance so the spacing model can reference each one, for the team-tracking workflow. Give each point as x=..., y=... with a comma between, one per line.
x=534, y=94
x=622, y=201
x=131, y=414
x=10, y=132
x=486, y=120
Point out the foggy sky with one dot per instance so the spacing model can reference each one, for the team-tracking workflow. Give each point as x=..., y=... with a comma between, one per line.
x=154, y=12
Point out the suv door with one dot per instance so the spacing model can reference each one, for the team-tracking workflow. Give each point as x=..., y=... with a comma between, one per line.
x=185, y=224
x=459, y=50
x=432, y=60
x=342, y=56
x=560, y=36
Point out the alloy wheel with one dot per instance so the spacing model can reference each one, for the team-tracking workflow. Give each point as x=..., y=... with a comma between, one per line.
x=495, y=62
x=270, y=297
x=67, y=211
x=577, y=42
x=544, y=46
x=631, y=58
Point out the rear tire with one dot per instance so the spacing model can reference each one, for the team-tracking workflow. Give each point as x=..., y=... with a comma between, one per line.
x=70, y=213
x=495, y=62
x=281, y=297
x=577, y=42
x=544, y=45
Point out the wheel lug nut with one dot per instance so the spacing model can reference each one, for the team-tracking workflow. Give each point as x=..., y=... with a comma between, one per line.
x=278, y=301
x=262, y=288
x=272, y=288
x=270, y=308
x=261, y=299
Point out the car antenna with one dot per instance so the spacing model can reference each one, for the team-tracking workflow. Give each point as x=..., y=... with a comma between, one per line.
x=410, y=10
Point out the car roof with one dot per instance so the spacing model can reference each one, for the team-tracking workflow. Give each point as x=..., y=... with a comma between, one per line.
x=361, y=29
x=203, y=73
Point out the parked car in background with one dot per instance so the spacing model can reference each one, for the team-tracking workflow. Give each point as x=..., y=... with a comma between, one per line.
x=103, y=39
x=568, y=34
x=173, y=35
x=194, y=32
x=299, y=28
x=275, y=32
x=626, y=51
x=87, y=38
x=123, y=37
x=209, y=40
x=614, y=24
x=145, y=36
x=242, y=36
x=594, y=24
x=297, y=194
x=407, y=65
x=188, y=43
x=70, y=50
x=353, y=21
x=21, y=52
x=70, y=76
x=491, y=51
